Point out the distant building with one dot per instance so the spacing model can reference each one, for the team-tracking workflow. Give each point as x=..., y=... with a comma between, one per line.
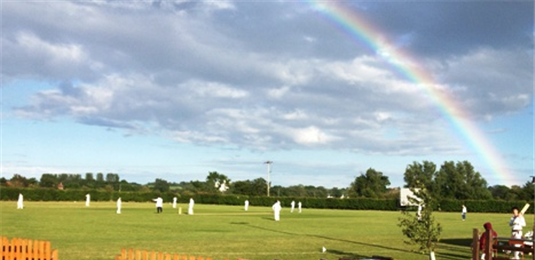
x=60, y=186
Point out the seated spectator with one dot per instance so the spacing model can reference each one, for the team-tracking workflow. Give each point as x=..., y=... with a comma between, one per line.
x=483, y=238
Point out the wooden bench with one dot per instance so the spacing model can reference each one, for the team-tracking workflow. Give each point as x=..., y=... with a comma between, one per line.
x=26, y=249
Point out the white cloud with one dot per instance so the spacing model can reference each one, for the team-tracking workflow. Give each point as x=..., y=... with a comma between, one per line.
x=203, y=72
x=311, y=136
x=215, y=89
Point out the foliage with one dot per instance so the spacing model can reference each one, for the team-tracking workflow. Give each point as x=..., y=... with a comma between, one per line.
x=217, y=182
x=417, y=174
x=20, y=181
x=423, y=231
x=256, y=187
x=160, y=185
x=75, y=181
x=371, y=185
x=453, y=181
x=460, y=181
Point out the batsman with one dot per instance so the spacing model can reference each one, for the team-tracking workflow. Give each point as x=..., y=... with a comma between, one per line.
x=516, y=223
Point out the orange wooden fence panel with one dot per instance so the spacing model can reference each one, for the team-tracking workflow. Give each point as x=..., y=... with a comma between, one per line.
x=137, y=254
x=24, y=249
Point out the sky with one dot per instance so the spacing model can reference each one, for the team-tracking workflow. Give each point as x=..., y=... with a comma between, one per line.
x=324, y=89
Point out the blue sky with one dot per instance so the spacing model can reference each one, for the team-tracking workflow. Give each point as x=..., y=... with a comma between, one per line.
x=176, y=89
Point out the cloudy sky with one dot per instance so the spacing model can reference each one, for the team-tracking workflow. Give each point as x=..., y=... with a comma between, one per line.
x=176, y=89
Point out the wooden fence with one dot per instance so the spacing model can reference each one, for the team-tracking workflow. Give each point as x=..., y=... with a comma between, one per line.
x=26, y=249
x=496, y=245
x=132, y=254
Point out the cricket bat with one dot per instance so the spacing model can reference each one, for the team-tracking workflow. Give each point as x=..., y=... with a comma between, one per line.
x=524, y=209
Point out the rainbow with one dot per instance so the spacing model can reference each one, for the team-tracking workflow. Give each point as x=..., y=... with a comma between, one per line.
x=358, y=28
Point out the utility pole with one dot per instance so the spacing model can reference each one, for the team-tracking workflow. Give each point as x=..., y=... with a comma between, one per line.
x=268, y=173
x=533, y=181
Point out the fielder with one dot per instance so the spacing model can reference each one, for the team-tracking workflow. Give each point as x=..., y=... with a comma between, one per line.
x=87, y=199
x=299, y=206
x=246, y=207
x=277, y=210
x=20, y=202
x=119, y=202
x=191, y=204
x=293, y=206
x=159, y=204
x=174, y=202
x=463, y=212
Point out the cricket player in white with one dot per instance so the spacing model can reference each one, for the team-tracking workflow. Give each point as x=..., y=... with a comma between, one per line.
x=190, y=208
x=174, y=202
x=293, y=206
x=159, y=204
x=119, y=202
x=87, y=199
x=516, y=223
x=299, y=206
x=20, y=202
x=277, y=210
x=246, y=205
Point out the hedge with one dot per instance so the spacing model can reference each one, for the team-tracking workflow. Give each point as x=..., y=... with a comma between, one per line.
x=47, y=194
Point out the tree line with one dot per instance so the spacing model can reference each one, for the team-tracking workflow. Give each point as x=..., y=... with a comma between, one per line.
x=452, y=180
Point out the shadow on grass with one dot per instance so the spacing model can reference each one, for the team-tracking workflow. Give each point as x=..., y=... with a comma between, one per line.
x=453, y=248
x=346, y=255
x=336, y=239
x=464, y=242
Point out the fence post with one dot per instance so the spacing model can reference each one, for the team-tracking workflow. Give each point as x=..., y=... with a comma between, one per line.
x=16, y=247
x=475, y=244
x=55, y=254
x=23, y=248
x=145, y=255
x=488, y=245
x=47, y=250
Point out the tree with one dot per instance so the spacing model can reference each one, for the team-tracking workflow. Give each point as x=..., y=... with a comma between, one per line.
x=217, y=182
x=373, y=184
x=460, y=181
x=48, y=180
x=424, y=231
x=20, y=181
x=259, y=187
x=100, y=177
x=89, y=177
x=161, y=185
x=502, y=192
x=3, y=181
x=418, y=174
x=336, y=192
x=527, y=191
x=112, y=178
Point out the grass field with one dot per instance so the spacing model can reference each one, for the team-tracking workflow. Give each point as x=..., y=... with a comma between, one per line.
x=222, y=232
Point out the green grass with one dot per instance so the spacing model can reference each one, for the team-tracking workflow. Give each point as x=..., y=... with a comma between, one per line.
x=222, y=232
